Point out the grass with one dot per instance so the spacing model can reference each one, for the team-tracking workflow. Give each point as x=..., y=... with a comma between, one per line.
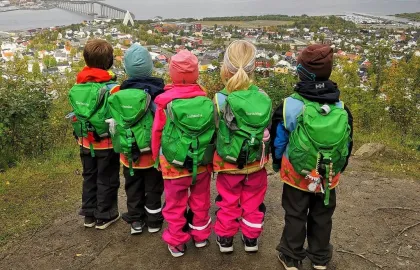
x=38, y=190
x=246, y=23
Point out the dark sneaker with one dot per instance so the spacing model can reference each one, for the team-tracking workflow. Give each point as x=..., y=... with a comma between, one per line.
x=177, y=251
x=289, y=263
x=202, y=244
x=102, y=224
x=225, y=244
x=251, y=245
x=90, y=222
x=319, y=267
x=137, y=227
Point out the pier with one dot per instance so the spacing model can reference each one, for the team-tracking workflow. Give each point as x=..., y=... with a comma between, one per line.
x=93, y=8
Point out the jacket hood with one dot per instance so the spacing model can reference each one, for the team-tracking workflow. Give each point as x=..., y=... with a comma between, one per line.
x=153, y=86
x=95, y=75
x=179, y=92
x=322, y=92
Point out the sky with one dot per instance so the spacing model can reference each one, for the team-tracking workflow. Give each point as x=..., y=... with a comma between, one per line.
x=207, y=8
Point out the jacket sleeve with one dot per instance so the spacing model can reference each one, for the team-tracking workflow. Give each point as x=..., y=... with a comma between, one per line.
x=275, y=121
x=280, y=141
x=351, y=136
x=158, y=125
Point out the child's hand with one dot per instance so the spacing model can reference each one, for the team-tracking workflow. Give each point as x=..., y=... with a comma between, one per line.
x=112, y=125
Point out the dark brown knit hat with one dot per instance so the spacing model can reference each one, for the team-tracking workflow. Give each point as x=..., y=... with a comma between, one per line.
x=317, y=59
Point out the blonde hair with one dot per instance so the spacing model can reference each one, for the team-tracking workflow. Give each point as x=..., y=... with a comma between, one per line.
x=238, y=65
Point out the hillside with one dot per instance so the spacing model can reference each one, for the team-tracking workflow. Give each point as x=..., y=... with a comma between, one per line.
x=410, y=16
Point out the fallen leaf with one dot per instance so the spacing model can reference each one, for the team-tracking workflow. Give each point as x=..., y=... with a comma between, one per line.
x=78, y=255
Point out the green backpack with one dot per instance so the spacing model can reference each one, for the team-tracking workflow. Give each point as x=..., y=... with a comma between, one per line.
x=187, y=139
x=130, y=110
x=244, y=117
x=320, y=140
x=90, y=106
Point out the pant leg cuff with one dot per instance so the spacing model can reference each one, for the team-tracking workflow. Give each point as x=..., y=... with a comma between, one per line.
x=155, y=224
x=87, y=213
x=107, y=215
x=131, y=218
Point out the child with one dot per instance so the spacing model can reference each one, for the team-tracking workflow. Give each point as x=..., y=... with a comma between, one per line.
x=100, y=162
x=242, y=150
x=143, y=183
x=312, y=148
x=183, y=128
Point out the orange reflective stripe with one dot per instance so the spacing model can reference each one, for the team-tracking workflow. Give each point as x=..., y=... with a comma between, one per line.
x=292, y=178
x=145, y=161
x=104, y=144
x=219, y=165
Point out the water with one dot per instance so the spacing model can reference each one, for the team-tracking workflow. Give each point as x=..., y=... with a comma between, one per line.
x=29, y=19
x=211, y=8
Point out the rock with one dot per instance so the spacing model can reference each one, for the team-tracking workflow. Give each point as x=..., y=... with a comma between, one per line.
x=370, y=150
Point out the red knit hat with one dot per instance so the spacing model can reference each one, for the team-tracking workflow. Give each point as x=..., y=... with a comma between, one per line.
x=183, y=68
x=317, y=59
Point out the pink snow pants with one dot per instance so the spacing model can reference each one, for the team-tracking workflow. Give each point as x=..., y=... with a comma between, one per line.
x=197, y=219
x=241, y=204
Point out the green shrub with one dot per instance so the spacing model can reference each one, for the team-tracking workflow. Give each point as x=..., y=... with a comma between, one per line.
x=32, y=110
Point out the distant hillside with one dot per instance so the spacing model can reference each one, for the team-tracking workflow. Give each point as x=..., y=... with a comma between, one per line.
x=410, y=16
x=253, y=18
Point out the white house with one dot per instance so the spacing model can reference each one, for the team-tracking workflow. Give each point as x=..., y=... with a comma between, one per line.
x=60, y=56
x=7, y=46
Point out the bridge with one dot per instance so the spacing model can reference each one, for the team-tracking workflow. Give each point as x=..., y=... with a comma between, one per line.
x=93, y=8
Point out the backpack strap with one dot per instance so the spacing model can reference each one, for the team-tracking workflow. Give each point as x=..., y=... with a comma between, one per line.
x=194, y=146
x=130, y=140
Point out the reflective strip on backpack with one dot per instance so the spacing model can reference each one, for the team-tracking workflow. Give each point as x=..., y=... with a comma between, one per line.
x=202, y=228
x=177, y=162
x=232, y=158
x=253, y=225
x=147, y=149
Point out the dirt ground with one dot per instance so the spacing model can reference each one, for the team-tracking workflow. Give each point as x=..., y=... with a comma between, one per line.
x=372, y=230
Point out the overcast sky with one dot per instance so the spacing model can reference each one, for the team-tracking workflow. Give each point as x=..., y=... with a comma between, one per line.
x=207, y=8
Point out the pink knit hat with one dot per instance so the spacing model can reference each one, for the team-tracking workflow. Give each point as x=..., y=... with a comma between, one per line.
x=183, y=68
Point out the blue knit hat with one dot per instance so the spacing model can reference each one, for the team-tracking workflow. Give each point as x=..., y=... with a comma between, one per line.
x=137, y=62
